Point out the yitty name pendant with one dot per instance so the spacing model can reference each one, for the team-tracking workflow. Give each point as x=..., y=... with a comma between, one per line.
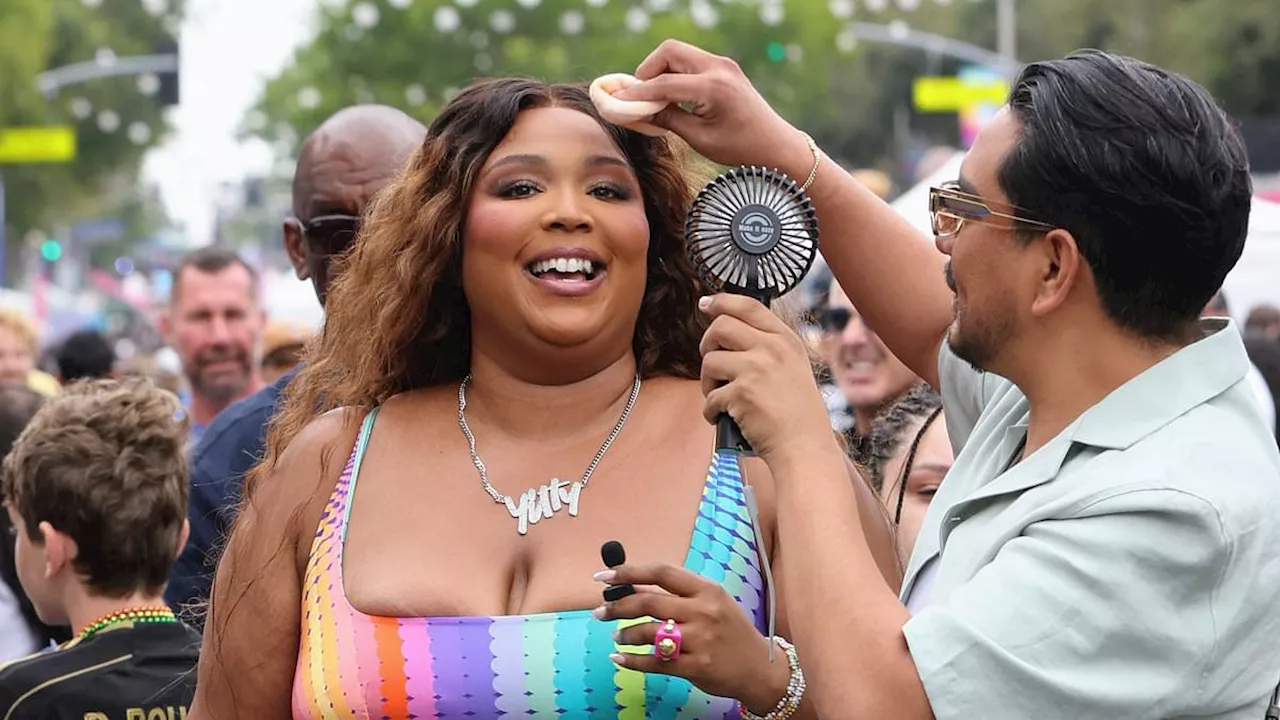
x=544, y=502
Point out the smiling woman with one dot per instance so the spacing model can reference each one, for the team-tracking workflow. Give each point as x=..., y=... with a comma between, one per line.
x=518, y=328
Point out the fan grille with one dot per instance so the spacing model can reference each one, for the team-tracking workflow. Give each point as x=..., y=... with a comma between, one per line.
x=752, y=231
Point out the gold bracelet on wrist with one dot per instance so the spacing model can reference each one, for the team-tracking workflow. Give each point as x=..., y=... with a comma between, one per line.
x=790, y=702
x=817, y=160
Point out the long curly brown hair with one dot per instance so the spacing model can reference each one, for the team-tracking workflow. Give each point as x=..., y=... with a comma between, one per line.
x=396, y=318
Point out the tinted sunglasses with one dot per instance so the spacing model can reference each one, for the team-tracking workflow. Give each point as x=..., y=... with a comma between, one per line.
x=950, y=208
x=834, y=319
x=330, y=234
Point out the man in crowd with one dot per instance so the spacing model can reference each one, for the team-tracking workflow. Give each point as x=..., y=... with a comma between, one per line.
x=343, y=164
x=869, y=377
x=214, y=323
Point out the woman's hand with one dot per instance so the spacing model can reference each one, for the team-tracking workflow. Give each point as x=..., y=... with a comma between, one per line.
x=756, y=368
x=721, y=652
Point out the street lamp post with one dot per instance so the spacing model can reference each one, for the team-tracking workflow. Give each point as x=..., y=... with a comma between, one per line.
x=901, y=34
x=1007, y=31
x=52, y=81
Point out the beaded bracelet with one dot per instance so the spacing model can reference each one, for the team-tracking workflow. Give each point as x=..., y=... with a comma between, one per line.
x=790, y=701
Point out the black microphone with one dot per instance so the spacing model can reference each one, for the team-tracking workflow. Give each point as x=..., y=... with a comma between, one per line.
x=613, y=555
x=751, y=231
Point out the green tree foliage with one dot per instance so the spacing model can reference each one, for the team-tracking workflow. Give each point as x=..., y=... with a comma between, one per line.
x=37, y=35
x=1233, y=48
x=854, y=97
x=416, y=57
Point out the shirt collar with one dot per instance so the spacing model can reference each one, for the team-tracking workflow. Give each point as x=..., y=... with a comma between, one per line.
x=1167, y=390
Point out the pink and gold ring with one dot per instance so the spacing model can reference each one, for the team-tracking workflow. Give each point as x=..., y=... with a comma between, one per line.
x=666, y=642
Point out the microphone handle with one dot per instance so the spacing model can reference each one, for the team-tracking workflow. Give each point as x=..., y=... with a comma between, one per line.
x=729, y=437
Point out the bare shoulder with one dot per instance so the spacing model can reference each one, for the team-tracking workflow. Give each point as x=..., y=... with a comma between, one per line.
x=430, y=404
x=252, y=634
x=319, y=439
x=280, y=499
x=293, y=492
x=312, y=451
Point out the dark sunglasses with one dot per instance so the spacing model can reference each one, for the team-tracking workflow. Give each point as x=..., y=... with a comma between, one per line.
x=950, y=208
x=328, y=235
x=834, y=319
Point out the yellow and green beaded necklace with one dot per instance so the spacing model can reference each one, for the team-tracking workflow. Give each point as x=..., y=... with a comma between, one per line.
x=148, y=614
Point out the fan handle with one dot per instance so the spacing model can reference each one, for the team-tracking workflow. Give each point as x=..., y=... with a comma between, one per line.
x=728, y=435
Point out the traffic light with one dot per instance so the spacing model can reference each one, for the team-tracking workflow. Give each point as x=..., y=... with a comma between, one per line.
x=777, y=51
x=51, y=250
x=169, y=93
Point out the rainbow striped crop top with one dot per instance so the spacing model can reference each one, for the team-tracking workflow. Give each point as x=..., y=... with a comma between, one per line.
x=353, y=665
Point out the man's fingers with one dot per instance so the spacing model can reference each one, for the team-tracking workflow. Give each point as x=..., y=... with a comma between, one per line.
x=750, y=311
x=673, y=56
x=671, y=88
x=730, y=332
x=677, y=120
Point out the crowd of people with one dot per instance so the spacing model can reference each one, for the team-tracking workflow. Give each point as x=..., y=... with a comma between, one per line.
x=1034, y=473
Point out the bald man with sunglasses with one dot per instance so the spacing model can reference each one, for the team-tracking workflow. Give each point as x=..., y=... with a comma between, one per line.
x=342, y=165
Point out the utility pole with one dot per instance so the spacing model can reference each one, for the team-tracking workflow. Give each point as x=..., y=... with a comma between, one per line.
x=1007, y=34
x=4, y=240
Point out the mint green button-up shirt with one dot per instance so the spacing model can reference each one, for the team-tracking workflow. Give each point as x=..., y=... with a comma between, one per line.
x=1130, y=568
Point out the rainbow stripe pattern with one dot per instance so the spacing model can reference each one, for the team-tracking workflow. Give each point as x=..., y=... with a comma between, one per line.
x=352, y=665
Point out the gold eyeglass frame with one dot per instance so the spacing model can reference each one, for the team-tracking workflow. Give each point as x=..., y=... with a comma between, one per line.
x=980, y=213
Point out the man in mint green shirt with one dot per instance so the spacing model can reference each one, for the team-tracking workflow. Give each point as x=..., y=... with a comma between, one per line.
x=1017, y=573
x=1107, y=544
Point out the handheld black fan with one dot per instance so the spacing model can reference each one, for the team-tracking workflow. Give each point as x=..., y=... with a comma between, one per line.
x=751, y=231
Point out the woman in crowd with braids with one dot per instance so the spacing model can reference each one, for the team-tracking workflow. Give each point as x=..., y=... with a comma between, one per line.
x=907, y=453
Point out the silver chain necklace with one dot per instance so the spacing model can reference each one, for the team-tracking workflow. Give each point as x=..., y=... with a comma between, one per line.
x=546, y=500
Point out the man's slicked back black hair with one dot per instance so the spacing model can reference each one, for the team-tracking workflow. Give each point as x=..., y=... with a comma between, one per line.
x=1145, y=171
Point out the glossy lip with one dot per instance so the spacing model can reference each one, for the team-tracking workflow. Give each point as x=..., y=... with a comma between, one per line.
x=569, y=251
